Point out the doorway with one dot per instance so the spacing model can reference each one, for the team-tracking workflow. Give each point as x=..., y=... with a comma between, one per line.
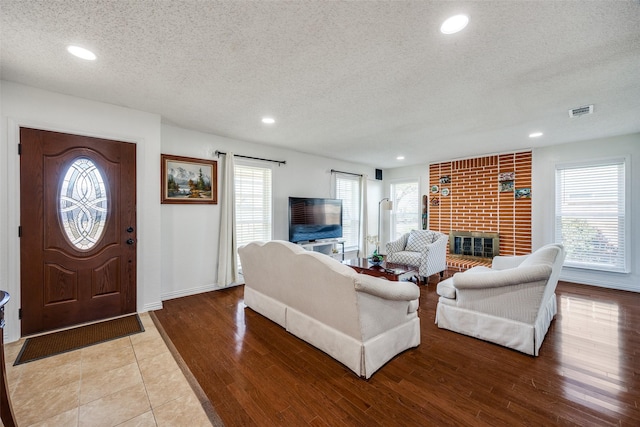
x=77, y=229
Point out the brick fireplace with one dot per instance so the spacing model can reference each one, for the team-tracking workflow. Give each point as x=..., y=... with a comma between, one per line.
x=470, y=196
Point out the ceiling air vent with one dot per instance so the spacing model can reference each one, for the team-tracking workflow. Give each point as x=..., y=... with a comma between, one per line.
x=581, y=111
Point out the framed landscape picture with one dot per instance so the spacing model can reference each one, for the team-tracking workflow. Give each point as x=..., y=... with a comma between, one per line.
x=186, y=180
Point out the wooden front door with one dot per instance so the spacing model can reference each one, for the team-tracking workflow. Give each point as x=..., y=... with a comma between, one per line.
x=78, y=237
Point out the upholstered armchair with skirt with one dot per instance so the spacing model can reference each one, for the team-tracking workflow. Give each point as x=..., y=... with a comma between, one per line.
x=424, y=249
x=511, y=304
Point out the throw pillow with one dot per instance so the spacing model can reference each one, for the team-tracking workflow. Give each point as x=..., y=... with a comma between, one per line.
x=418, y=239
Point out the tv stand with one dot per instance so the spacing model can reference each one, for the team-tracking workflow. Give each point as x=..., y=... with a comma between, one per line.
x=334, y=247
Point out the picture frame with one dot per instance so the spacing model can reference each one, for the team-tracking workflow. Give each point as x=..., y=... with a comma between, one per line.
x=506, y=176
x=522, y=193
x=506, y=186
x=187, y=180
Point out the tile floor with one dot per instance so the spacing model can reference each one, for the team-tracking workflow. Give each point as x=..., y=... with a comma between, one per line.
x=131, y=381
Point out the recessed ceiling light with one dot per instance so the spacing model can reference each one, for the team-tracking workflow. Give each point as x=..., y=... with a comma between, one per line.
x=81, y=52
x=268, y=120
x=400, y=158
x=535, y=134
x=454, y=24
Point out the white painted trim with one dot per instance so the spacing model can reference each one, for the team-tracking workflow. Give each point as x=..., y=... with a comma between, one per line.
x=609, y=284
x=151, y=307
x=195, y=291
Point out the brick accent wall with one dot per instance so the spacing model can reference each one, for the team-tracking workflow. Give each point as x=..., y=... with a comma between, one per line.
x=475, y=202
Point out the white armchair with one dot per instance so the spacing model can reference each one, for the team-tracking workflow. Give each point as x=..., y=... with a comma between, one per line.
x=511, y=304
x=424, y=249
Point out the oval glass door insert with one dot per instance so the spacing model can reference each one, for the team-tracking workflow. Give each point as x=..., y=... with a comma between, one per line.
x=83, y=204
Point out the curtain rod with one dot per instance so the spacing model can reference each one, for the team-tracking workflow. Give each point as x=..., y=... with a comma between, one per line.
x=346, y=173
x=279, y=162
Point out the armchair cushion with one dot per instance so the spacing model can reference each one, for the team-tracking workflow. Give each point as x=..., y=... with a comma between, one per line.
x=446, y=289
x=407, y=258
x=419, y=239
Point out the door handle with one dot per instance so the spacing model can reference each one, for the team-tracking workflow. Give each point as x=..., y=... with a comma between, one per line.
x=130, y=230
x=130, y=242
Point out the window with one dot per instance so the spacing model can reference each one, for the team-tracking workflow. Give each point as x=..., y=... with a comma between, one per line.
x=253, y=203
x=83, y=204
x=406, y=208
x=591, y=218
x=348, y=189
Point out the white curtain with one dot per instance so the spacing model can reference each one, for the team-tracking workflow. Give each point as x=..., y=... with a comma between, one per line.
x=227, y=248
x=364, y=219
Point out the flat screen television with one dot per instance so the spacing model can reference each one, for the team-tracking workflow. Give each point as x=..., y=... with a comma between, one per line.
x=312, y=219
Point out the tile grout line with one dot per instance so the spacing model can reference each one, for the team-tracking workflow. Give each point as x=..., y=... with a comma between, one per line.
x=144, y=383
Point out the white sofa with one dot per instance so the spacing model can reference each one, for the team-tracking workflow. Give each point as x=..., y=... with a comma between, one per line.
x=359, y=320
x=511, y=304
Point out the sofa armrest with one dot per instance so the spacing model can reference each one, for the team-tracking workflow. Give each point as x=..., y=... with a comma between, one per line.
x=395, y=291
x=501, y=262
x=397, y=245
x=500, y=278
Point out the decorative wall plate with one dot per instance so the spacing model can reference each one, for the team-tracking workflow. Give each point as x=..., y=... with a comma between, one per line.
x=445, y=192
x=434, y=188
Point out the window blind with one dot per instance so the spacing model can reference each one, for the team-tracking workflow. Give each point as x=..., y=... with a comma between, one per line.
x=253, y=203
x=406, y=208
x=348, y=189
x=590, y=215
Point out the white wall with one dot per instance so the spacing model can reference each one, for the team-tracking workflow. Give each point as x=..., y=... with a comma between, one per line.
x=543, y=199
x=190, y=233
x=27, y=106
x=543, y=203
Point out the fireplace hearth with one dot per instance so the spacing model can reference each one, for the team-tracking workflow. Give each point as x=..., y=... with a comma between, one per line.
x=474, y=244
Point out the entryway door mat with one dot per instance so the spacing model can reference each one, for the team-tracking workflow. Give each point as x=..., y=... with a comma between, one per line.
x=72, y=339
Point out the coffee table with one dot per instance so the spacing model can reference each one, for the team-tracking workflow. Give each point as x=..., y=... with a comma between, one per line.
x=387, y=270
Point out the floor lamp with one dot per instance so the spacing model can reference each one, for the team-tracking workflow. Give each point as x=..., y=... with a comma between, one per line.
x=387, y=205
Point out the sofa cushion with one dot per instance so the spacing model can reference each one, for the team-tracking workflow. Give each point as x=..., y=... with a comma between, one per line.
x=418, y=239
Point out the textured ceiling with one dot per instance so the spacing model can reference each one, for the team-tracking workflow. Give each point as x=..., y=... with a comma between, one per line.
x=362, y=81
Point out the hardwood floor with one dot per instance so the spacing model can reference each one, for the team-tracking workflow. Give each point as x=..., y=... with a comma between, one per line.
x=255, y=373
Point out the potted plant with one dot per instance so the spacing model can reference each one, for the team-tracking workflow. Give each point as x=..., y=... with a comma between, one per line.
x=376, y=258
